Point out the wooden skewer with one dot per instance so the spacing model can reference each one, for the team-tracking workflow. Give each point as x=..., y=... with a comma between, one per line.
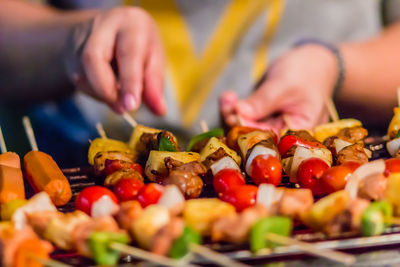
x=101, y=131
x=331, y=109
x=337, y=256
x=287, y=121
x=48, y=262
x=204, y=126
x=216, y=257
x=2, y=142
x=398, y=96
x=240, y=120
x=148, y=256
x=29, y=133
x=129, y=119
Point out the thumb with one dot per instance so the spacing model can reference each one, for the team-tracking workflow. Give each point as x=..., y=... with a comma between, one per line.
x=262, y=103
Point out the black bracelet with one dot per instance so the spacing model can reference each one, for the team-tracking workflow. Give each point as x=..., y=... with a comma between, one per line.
x=339, y=60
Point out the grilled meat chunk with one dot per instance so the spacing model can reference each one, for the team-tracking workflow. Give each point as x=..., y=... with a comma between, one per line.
x=353, y=152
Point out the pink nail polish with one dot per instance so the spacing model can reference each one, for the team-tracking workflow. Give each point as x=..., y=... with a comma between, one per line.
x=129, y=102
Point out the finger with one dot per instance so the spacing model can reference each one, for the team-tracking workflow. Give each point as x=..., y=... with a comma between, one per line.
x=227, y=102
x=154, y=80
x=95, y=61
x=263, y=102
x=130, y=52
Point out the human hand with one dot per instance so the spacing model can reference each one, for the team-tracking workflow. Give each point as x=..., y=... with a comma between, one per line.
x=292, y=95
x=128, y=37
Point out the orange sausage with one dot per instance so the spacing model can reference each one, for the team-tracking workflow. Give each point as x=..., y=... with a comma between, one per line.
x=44, y=174
x=10, y=159
x=11, y=184
x=32, y=246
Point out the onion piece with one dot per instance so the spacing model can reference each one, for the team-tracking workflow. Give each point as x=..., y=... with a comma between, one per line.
x=340, y=144
x=268, y=195
x=104, y=206
x=362, y=172
x=39, y=202
x=224, y=163
x=302, y=153
x=368, y=152
x=259, y=150
x=393, y=146
x=171, y=197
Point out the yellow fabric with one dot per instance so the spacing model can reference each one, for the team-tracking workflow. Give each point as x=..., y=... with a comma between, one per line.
x=274, y=15
x=193, y=76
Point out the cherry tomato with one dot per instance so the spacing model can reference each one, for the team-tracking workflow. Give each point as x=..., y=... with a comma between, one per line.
x=127, y=189
x=352, y=165
x=149, y=194
x=392, y=166
x=290, y=140
x=91, y=194
x=241, y=197
x=335, y=178
x=227, y=179
x=112, y=166
x=266, y=169
x=309, y=174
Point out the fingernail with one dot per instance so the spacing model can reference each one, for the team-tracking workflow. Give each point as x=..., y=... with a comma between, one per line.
x=244, y=108
x=129, y=102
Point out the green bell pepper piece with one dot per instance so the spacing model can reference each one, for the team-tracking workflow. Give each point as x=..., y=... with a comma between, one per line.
x=8, y=209
x=218, y=132
x=180, y=247
x=373, y=218
x=100, y=250
x=398, y=133
x=166, y=145
x=275, y=224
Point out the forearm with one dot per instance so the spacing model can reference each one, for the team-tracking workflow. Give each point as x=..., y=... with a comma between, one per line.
x=373, y=70
x=33, y=41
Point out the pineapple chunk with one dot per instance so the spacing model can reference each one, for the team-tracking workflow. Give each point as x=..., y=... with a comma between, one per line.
x=155, y=162
x=325, y=209
x=323, y=131
x=105, y=145
x=200, y=214
x=137, y=133
x=213, y=145
x=247, y=141
x=392, y=192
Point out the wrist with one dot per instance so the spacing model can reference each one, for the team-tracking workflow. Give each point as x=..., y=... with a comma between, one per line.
x=332, y=55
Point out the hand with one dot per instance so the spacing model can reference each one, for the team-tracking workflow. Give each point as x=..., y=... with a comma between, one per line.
x=129, y=36
x=292, y=95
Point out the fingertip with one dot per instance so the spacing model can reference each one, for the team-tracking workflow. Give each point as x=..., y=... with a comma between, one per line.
x=244, y=109
x=129, y=102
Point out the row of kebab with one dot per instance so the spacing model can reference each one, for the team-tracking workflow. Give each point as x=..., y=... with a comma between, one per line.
x=151, y=189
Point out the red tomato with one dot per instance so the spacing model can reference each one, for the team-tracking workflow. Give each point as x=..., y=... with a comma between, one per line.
x=241, y=197
x=91, y=194
x=149, y=194
x=392, y=166
x=266, y=169
x=309, y=174
x=112, y=166
x=290, y=140
x=227, y=179
x=335, y=178
x=352, y=165
x=127, y=189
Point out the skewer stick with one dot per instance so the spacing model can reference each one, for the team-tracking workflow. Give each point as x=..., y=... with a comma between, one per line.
x=204, y=126
x=29, y=133
x=216, y=257
x=240, y=120
x=337, y=256
x=331, y=109
x=48, y=262
x=287, y=121
x=2, y=142
x=398, y=96
x=101, y=131
x=129, y=119
x=148, y=256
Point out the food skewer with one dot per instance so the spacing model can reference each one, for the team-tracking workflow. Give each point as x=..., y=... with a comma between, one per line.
x=49, y=262
x=100, y=130
x=337, y=256
x=129, y=119
x=215, y=256
x=2, y=142
x=331, y=109
x=204, y=126
x=29, y=133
